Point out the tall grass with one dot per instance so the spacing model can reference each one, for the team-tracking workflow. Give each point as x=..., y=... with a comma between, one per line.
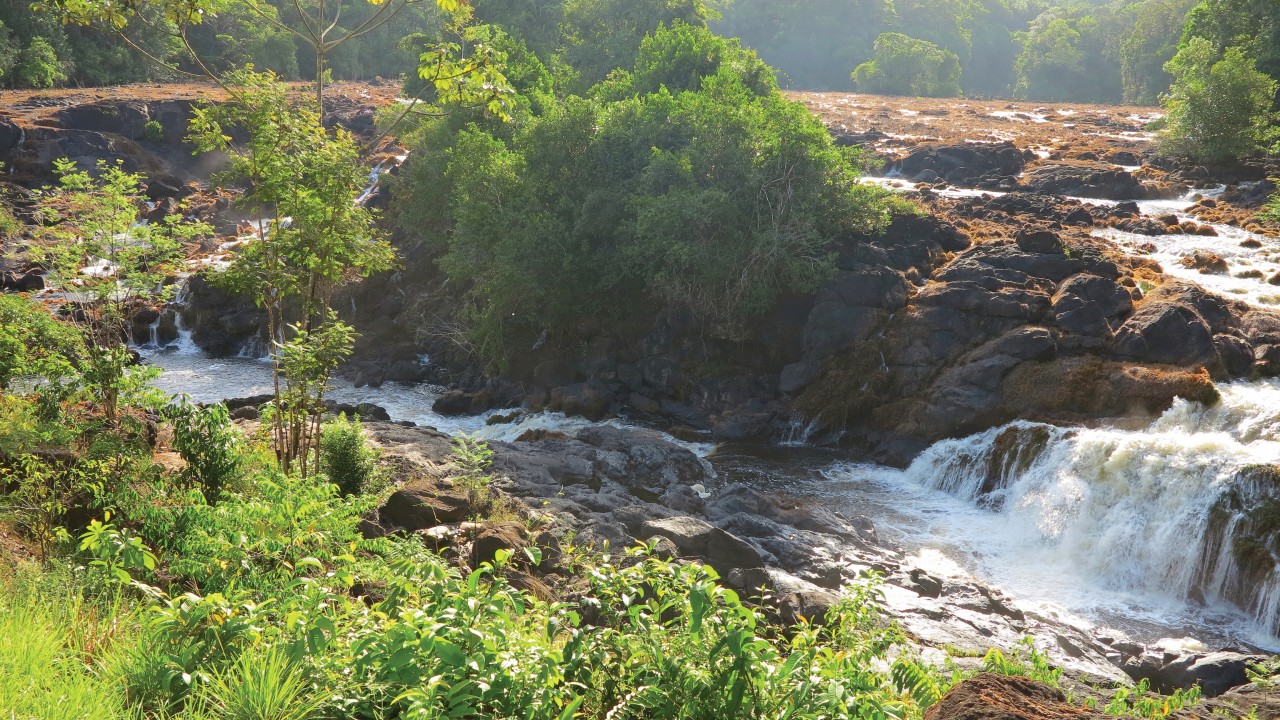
x=51, y=653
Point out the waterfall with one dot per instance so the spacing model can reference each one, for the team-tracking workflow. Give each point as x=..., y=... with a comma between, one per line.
x=799, y=431
x=1187, y=509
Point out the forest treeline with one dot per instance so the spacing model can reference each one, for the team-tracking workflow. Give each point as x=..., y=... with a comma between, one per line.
x=1066, y=50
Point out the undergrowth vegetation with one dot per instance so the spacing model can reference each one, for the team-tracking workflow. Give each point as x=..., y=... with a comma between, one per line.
x=153, y=601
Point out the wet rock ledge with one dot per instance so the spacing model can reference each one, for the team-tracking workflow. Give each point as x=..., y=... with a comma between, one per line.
x=619, y=486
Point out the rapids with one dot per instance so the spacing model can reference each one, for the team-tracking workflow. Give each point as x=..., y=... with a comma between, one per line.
x=1133, y=529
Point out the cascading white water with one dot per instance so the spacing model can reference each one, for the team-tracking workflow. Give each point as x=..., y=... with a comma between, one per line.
x=1134, y=512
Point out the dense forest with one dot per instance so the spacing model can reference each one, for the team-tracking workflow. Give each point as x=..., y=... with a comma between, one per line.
x=1082, y=50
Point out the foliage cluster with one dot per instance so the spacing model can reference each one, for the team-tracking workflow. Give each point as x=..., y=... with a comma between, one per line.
x=1219, y=108
x=1083, y=50
x=902, y=64
x=688, y=181
x=301, y=179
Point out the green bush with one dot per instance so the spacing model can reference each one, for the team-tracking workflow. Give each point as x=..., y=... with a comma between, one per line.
x=9, y=225
x=263, y=684
x=1219, y=108
x=38, y=65
x=689, y=182
x=209, y=443
x=153, y=131
x=905, y=65
x=346, y=456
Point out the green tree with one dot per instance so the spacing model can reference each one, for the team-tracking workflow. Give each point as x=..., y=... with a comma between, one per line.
x=302, y=179
x=1154, y=39
x=603, y=35
x=909, y=66
x=38, y=65
x=1219, y=107
x=677, y=184
x=322, y=26
x=813, y=43
x=109, y=266
x=8, y=50
x=1254, y=24
x=32, y=343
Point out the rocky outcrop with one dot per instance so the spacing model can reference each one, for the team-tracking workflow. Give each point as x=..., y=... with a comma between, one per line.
x=621, y=486
x=1085, y=180
x=1214, y=673
x=968, y=164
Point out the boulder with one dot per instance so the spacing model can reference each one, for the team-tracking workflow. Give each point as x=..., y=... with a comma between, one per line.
x=424, y=504
x=11, y=135
x=494, y=537
x=964, y=163
x=700, y=539
x=833, y=327
x=120, y=118
x=1045, y=242
x=1215, y=672
x=15, y=281
x=1170, y=335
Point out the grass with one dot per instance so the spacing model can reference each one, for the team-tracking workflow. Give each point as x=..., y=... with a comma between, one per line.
x=54, y=655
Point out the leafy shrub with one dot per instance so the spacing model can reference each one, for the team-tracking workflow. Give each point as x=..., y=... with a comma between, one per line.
x=258, y=538
x=210, y=444
x=9, y=225
x=346, y=457
x=473, y=457
x=153, y=131
x=32, y=342
x=905, y=65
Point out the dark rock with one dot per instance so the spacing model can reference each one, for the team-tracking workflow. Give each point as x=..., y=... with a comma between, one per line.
x=797, y=376
x=697, y=538
x=644, y=404
x=461, y=402
x=405, y=371
x=581, y=399
x=963, y=164
x=925, y=584
x=421, y=505
x=495, y=537
x=126, y=119
x=750, y=422
x=1167, y=330
x=554, y=372
x=245, y=413
x=10, y=135
x=21, y=281
x=1045, y=242
x=1086, y=180
x=812, y=605
x=1215, y=672
x=165, y=187
x=833, y=327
